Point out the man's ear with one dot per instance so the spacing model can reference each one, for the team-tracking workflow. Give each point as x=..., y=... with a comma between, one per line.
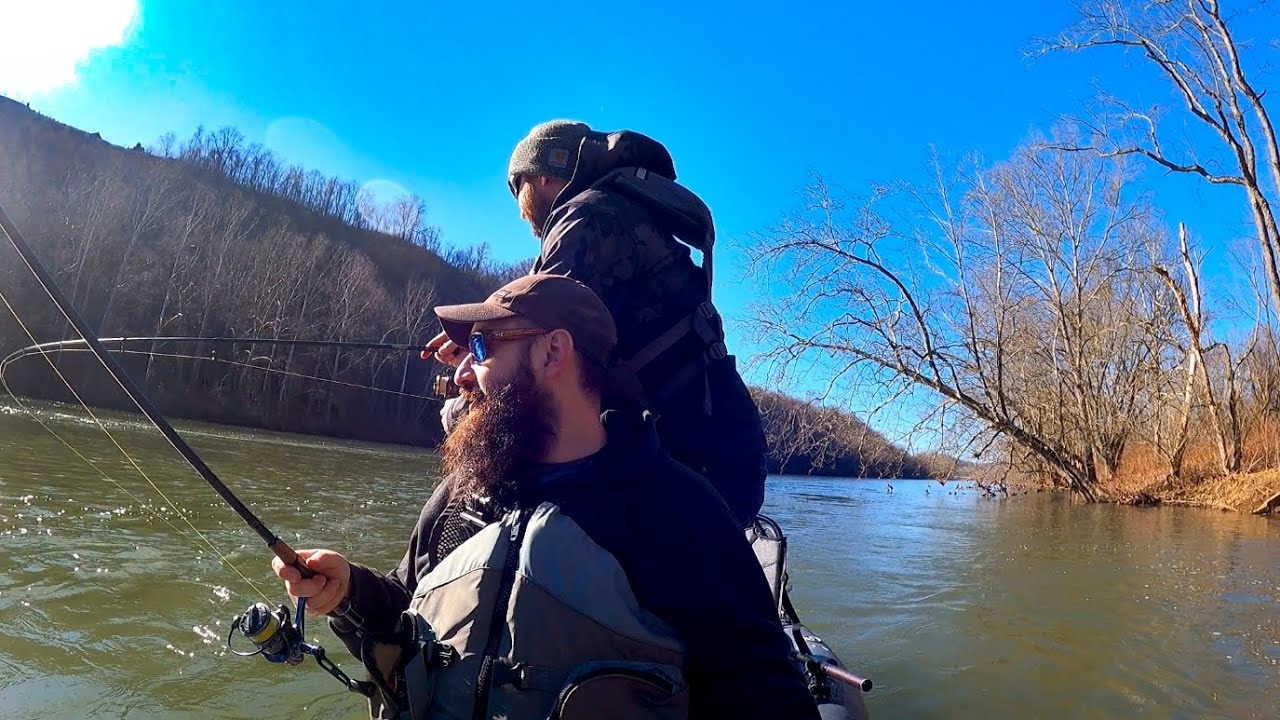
x=550, y=184
x=558, y=356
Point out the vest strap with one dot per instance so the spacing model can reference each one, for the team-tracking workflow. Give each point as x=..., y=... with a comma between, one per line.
x=420, y=673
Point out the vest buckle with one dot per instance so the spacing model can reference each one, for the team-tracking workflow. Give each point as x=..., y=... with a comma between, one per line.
x=439, y=655
x=522, y=676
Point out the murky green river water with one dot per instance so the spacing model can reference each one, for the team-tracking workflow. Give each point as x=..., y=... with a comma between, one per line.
x=957, y=607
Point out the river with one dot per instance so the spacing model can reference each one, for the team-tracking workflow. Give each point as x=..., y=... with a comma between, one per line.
x=956, y=606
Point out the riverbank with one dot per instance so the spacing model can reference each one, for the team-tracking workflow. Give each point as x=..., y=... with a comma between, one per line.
x=1243, y=492
x=1239, y=492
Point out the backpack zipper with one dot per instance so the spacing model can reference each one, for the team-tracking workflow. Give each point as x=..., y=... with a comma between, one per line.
x=485, y=677
x=654, y=679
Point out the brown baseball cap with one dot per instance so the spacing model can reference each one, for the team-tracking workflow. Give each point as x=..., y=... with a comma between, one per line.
x=551, y=302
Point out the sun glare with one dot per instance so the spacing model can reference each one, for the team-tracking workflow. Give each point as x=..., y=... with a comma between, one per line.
x=46, y=42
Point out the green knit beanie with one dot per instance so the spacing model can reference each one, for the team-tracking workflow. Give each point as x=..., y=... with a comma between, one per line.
x=550, y=149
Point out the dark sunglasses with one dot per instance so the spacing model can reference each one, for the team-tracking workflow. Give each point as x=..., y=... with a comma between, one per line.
x=479, y=341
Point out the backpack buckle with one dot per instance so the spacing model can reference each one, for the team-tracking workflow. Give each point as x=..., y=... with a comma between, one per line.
x=709, y=328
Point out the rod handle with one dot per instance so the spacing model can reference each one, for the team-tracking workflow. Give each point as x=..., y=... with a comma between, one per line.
x=430, y=350
x=290, y=557
x=846, y=677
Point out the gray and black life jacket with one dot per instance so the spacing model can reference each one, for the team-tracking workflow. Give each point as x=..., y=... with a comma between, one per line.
x=530, y=618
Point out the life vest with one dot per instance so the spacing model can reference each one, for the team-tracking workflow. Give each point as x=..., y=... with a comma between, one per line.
x=531, y=619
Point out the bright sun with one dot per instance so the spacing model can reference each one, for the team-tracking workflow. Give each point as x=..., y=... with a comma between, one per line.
x=45, y=42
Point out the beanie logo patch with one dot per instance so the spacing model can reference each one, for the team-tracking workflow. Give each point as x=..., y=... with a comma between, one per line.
x=559, y=157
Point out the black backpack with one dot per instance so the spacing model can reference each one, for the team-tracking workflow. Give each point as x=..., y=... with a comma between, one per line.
x=678, y=211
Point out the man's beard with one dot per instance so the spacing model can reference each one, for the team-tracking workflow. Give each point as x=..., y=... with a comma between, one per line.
x=533, y=208
x=501, y=435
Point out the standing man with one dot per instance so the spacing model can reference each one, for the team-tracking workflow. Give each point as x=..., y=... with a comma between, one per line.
x=565, y=567
x=608, y=213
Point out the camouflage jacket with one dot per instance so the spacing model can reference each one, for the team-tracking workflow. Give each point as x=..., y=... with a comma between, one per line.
x=647, y=278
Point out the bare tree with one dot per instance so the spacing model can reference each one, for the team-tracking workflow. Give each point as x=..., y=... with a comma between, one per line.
x=1224, y=418
x=192, y=223
x=1022, y=300
x=405, y=216
x=373, y=213
x=414, y=318
x=149, y=198
x=1193, y=45
x=231, y=228
x=356, y=298
x=94, y=199
x=164, y=145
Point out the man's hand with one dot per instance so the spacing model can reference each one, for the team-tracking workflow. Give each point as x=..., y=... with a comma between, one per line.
x=329, y=586
x=446, y=350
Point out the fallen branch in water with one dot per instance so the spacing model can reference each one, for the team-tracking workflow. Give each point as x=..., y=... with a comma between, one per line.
x=1268, y=505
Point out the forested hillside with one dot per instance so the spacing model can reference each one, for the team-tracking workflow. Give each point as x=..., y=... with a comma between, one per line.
x=213, y=236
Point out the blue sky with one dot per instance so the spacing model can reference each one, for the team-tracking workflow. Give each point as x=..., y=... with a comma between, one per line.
x=750, y=98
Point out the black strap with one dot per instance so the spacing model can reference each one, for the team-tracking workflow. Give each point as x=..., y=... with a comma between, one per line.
x=705, y=324
x=659, y=345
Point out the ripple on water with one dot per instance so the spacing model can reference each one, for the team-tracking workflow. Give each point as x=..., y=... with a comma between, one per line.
x=1028, y=608
x=1242, y=597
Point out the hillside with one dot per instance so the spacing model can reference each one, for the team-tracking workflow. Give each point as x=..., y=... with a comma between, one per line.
x=212, y=236
x=147, y=244
x=807, y=439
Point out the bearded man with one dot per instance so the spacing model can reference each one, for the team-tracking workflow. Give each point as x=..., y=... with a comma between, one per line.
x=607, y=211
x=565, y=567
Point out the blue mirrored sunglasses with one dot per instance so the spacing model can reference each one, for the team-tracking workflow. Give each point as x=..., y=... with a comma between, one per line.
x=479, y=341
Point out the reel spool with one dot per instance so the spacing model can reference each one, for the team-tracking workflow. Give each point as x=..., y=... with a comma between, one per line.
x=445, y=387
x=272, y=632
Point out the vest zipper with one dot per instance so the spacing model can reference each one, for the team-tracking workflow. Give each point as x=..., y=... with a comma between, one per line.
x=509, y=566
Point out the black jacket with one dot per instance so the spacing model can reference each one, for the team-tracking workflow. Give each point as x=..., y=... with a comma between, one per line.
x=685, y=557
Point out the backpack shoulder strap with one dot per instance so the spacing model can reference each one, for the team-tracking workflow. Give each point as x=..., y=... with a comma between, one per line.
x=680, y=212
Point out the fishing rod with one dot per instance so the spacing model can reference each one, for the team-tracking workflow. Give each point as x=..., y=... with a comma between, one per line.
x=122, y=342
x=443, y=386
x=266, y=629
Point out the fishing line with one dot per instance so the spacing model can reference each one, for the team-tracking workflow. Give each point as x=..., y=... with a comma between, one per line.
x=238, y=363
x=253, y=623
x=275, y=543
x=123, y=452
